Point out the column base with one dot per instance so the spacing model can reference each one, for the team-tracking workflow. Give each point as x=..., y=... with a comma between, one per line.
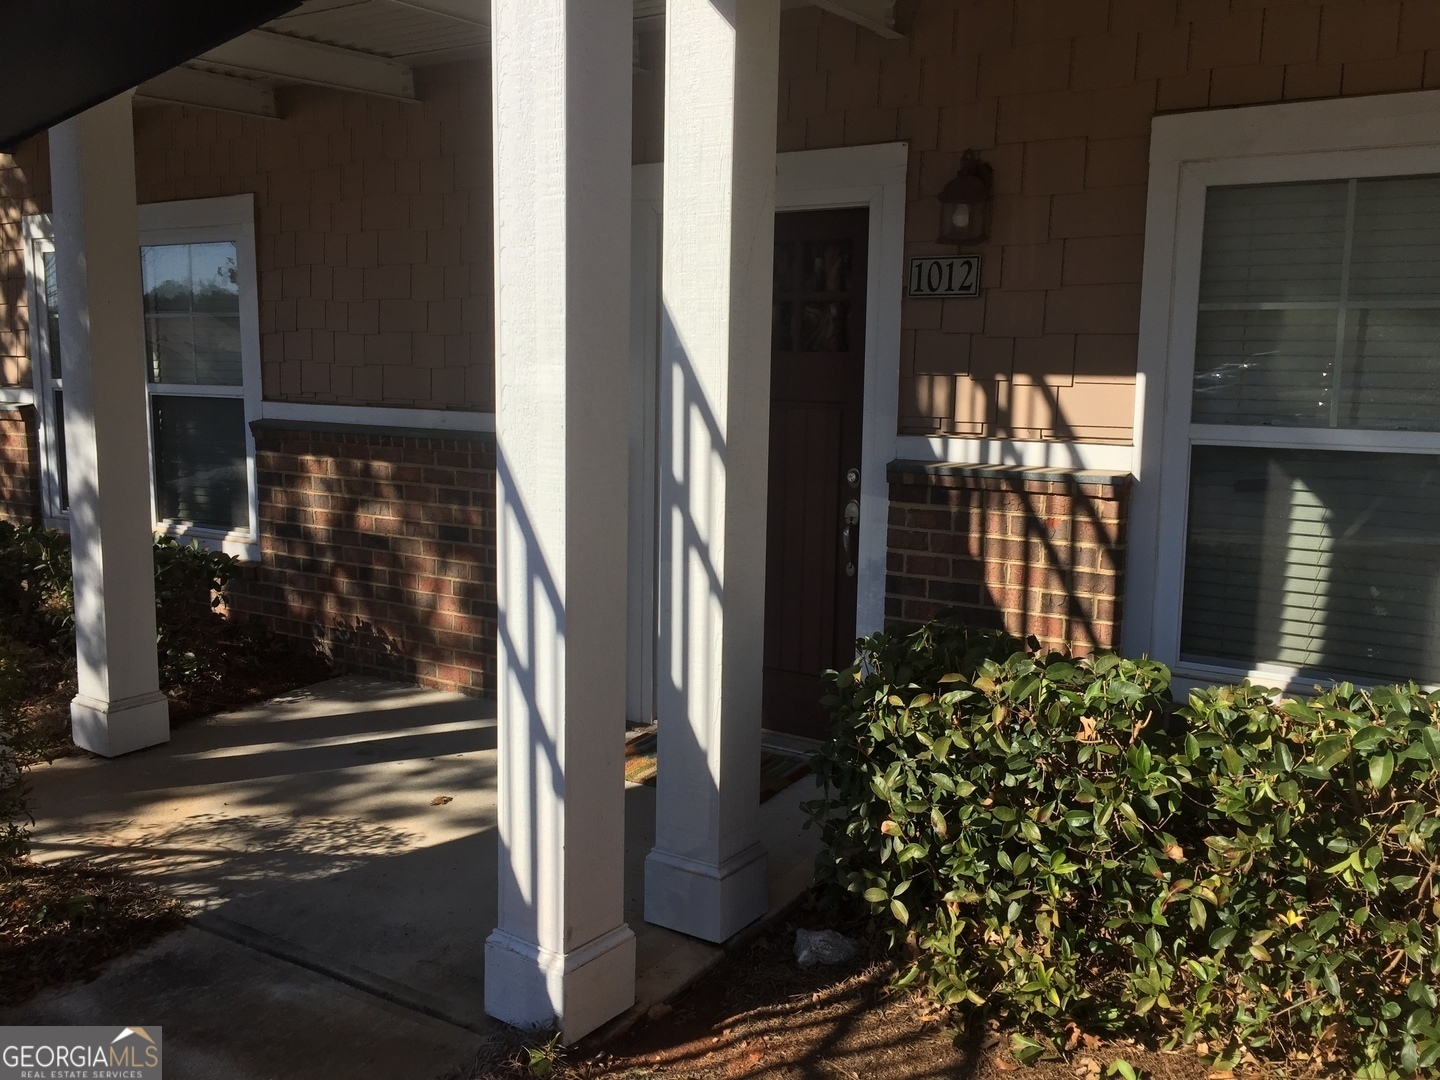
x=529, y=987
x=705, y=901
x=112, y=728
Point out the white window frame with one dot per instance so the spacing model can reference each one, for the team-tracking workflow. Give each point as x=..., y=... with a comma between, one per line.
x=1387, y=135
x=229, y=219
x=39, y=241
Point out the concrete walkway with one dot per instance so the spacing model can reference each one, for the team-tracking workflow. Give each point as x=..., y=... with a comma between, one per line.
x=337, y=847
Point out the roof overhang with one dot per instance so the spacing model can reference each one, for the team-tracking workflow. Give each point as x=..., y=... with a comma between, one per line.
x=67, y=55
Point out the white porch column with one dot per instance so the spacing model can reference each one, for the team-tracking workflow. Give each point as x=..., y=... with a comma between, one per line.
x=120, y=706
x=706, y=874
x=562, y=71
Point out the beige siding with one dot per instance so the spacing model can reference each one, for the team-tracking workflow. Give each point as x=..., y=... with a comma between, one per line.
x=1058, y=95
x=24, y=190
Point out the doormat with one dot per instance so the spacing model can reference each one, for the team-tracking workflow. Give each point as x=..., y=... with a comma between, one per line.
x=777, y=770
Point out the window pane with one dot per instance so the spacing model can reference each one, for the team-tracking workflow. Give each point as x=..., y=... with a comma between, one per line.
x=1396, y=251
x=192, y=305
x=1390, y=371
x=52, y=314
x=214, y=281
x=200, y=464
x=1264, y=367
x=1273, y=242
x=58, y=419
x=165, y=278
x=1320, y=560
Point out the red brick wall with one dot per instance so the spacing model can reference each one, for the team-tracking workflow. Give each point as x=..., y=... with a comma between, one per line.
x=381, y=549
x=19, y=466
x=1036, y=551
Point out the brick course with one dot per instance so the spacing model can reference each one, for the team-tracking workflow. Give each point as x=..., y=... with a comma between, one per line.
x=380, y=548
x=1035, y=551
x=19, y=466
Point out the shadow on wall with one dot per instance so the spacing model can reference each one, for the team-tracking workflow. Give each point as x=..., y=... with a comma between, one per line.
x=380, y=550
x=1030, y=550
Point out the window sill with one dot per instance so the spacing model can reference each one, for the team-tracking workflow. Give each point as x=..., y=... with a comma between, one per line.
x=240, y=545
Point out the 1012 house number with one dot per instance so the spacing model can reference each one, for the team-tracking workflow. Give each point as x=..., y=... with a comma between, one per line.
x=955, y=275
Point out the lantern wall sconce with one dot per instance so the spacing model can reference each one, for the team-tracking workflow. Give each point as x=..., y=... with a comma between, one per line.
x=965, y=203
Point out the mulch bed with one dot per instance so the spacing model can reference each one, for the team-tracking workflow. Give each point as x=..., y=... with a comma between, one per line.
x=59, y=923
x=758, y=1015
x=245, y=668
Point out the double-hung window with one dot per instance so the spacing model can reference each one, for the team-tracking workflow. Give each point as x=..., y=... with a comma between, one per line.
x=201, y=365
x=1297, y=519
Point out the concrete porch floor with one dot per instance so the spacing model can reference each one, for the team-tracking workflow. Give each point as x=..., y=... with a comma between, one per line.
x=340, y=916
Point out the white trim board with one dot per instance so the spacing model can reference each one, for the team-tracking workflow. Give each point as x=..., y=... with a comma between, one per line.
x=1030, y=454
x=437, y=420
x=1391, y=134
x=16, y=397
x=873, y=177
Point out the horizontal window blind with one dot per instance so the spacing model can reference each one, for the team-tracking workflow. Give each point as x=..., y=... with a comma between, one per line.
x=1320, y=305
x=200, y=461
x=1319, y=560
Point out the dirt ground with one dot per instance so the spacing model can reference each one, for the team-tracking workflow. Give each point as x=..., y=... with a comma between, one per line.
x=250, y=671
x=758, y=1015
x=60, y=923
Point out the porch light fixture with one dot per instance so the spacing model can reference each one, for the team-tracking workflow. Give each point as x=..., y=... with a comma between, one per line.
x=965, y=203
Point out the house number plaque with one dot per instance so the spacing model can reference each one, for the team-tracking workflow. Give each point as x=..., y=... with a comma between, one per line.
x=955, y=275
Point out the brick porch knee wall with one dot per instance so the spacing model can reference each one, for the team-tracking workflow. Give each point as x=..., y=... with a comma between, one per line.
x=1036, y=551
x=19, y=466
x=379, y=548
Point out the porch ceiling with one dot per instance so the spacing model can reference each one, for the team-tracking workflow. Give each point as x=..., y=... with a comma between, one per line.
x=373, y=46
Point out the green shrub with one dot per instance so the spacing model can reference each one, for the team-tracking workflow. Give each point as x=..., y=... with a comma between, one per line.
x=15, y=817
x=37, y=597
x=1057, y=843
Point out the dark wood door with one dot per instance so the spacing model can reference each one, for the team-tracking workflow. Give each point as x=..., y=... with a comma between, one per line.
x=817, y=384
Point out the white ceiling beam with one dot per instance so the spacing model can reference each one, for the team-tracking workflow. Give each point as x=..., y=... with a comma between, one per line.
x=261, y=52
x=471, y=12
x=877, y=16
x=208, y=90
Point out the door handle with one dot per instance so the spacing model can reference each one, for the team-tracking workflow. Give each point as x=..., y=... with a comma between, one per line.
x=852, y=518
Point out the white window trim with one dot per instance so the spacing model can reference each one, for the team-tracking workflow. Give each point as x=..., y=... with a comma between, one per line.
x=39, y=240
x=192, y=221
x=1393, y=134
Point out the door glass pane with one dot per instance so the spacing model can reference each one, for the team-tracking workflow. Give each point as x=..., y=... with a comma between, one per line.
x=827, y=266
x=52, y=314
x=824, y=327
x=200, y=461
x=1273, y=242
x=192, y=314
x=1320, y=560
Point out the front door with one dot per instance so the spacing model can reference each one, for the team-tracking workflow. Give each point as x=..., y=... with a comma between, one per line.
x=817, y=382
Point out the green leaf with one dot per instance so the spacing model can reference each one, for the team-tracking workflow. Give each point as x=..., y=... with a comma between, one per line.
x=1331, y=751
x=1382, y=767
x=876, y=896
x=900, y=911
x=1122, y=1068
x=1026, y=1049
x=1369, y=736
